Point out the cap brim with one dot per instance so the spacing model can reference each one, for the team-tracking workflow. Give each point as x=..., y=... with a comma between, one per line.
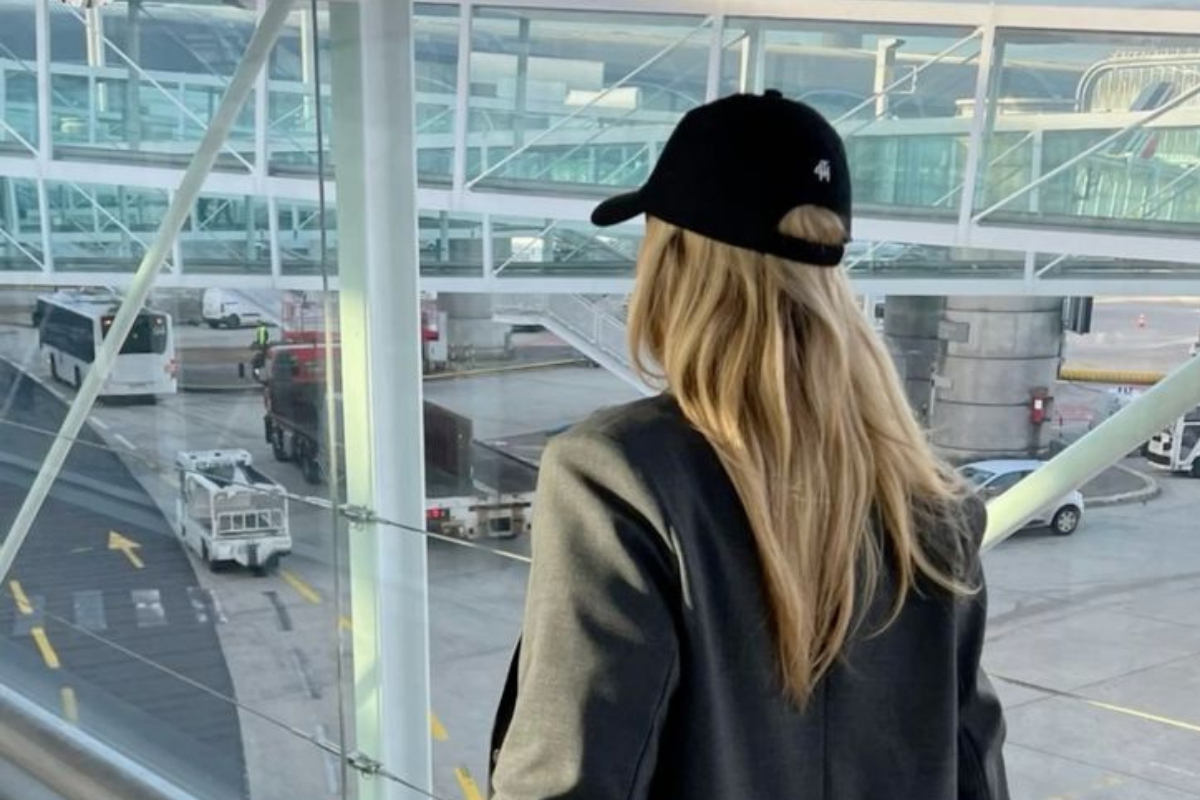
x=618, y=209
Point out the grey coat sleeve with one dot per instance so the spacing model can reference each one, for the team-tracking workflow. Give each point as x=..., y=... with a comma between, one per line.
x=981, y=773
x=599, y=650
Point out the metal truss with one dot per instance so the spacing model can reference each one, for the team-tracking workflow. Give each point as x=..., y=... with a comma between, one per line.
x=955, y=222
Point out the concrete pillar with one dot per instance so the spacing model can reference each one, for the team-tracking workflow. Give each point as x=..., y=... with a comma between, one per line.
x=910, y=327
x=469, y=325
x=997, y=352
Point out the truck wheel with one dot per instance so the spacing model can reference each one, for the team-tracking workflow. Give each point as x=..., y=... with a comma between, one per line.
x=277, y=449
x=214, y=323
x=263, y=570
x=53, y=367
x=311, y=468
x=233, y=321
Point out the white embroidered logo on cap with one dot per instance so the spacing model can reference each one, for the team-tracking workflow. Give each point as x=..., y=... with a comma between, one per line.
x=823, y=171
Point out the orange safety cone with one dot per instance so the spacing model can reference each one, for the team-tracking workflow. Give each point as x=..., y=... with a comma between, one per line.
x=1141, y=320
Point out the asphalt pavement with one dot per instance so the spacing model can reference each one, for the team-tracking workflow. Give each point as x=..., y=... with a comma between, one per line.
x=103, y=605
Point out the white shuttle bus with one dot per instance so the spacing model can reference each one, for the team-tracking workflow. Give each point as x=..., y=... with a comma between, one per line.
x=71, y=325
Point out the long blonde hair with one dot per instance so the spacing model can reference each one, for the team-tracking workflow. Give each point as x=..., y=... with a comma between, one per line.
x=775, y=364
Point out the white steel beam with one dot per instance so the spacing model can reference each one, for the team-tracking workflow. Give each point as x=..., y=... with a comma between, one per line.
x=381, y=366
x=41, y=33
x=462, y=94
x=978, y=140
x=1079, y=16
x=716, y=46
x=46, y=229
x=261, y=116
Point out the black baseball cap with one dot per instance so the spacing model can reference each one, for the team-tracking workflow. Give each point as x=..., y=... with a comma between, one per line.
x=734, y=167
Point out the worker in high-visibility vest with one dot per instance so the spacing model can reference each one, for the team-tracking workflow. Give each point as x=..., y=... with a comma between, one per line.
x=262, y=336
x=262, y=340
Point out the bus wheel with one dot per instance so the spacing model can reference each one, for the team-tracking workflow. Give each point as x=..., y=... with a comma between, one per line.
x=53, y=367
x=78, y=382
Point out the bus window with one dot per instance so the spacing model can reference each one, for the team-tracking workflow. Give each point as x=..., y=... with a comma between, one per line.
x=148, y=334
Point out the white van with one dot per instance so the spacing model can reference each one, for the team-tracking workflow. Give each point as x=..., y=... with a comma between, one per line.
x=230, y=309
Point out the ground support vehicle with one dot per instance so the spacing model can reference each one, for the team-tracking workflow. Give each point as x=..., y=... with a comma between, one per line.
x=1177, y=447
x=472, y=489
x=229, y=512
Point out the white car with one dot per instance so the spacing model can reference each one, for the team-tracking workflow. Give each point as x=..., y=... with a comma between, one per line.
x=993, y=478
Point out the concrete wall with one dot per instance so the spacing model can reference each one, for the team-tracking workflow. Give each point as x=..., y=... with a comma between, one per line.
x=997, y=351
x=469, y=324
x=910, y=328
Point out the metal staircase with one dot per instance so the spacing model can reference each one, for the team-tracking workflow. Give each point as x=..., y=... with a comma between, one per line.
x=592, y=324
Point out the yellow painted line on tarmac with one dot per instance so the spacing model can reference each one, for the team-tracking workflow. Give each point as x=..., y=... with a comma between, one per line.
x=302, y=588
x=70, y=705
x=1133, y=712
x=19, y=596
x=436, y=729
x=474, y=373
x=467, y=784
x=45, y=648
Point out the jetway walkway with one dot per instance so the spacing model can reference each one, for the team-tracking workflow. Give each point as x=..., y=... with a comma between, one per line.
x=1079, y=174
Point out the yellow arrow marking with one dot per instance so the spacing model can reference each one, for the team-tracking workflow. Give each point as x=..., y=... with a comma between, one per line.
x=467, y=784
x=45, y=648
x=118, y=542
x=19, y=596
x=70, y=705
x=302, y=588
x=436, y=728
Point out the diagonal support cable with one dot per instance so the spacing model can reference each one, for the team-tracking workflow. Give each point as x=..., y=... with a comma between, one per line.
x=25, y=251
x=258, y=50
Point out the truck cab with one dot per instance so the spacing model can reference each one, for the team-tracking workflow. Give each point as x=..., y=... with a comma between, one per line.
x=1177, y=448
x=230, y=513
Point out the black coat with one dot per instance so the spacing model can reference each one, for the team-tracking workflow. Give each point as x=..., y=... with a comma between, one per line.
x=647, y=668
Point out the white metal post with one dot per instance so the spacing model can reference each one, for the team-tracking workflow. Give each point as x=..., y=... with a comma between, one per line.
x=1035, y=169
x=261, y=109
x=716, y=48
x=486, y=249
x=46, y=230
x=273, y=233
x=41, y=34
x=977, y=141
x=176, y=247
x=462, y=93
x=375, y=158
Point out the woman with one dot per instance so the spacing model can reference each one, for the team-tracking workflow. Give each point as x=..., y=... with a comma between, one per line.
x=761, y=583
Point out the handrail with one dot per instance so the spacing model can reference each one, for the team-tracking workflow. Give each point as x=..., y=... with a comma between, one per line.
x=68, y=761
